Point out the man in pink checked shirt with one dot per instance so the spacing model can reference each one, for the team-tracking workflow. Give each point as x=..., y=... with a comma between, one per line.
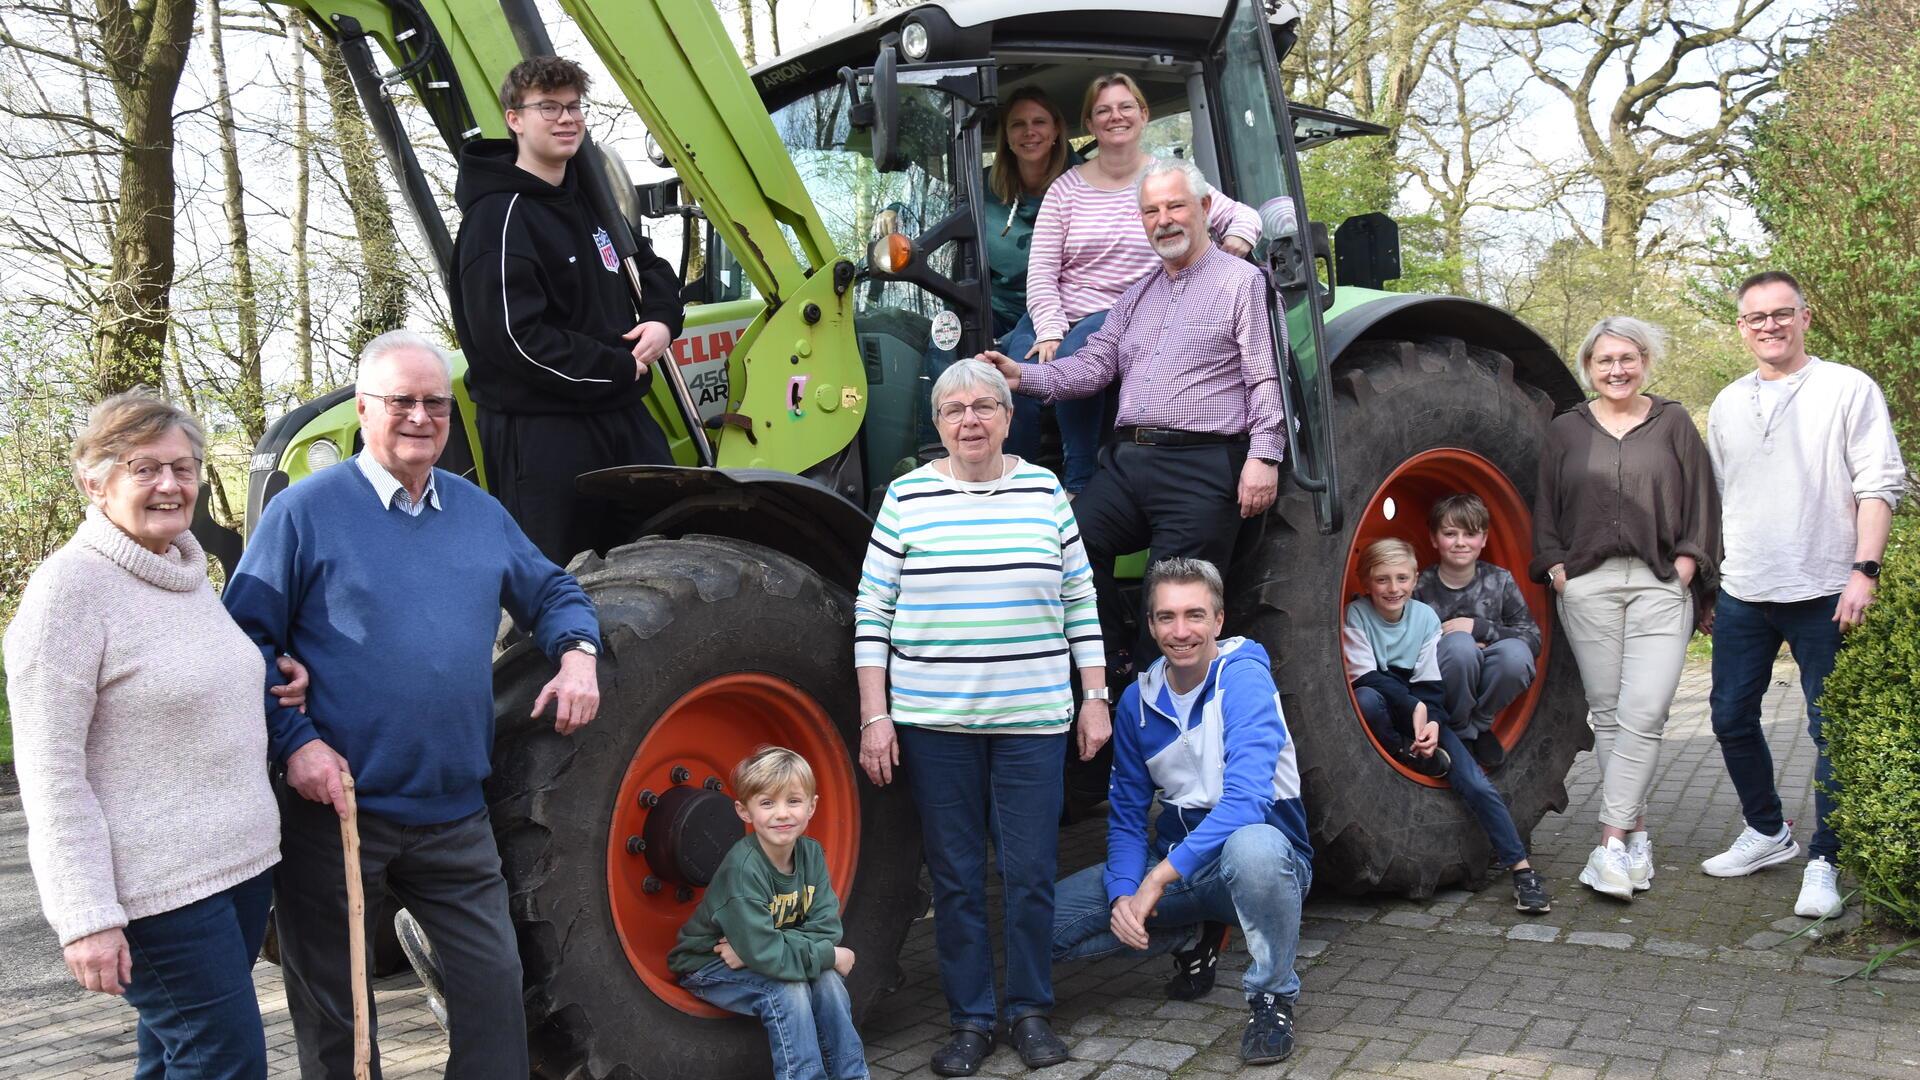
x=1200, y=427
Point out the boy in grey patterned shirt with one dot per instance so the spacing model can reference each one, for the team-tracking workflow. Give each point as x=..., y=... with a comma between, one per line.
x=1488, y=639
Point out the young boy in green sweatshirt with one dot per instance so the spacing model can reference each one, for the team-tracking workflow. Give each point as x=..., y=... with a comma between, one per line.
x=764, y=940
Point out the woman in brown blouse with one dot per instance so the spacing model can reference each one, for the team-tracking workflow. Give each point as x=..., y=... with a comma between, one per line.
x=1626, y=527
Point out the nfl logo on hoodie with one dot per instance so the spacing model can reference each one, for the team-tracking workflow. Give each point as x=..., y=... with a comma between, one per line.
x=605, y=243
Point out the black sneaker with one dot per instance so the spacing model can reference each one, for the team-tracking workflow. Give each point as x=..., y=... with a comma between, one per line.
x=1436, y=765
x=1530, y=892
x=1193, y=968
x=963, y=1053
x=1488, y=752
x=1269, y=1034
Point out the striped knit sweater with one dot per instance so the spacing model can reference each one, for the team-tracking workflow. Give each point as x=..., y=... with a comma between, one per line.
x=1089, y=248
x=975, y=597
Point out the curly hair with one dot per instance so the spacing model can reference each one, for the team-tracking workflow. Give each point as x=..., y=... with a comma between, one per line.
x=544, y=73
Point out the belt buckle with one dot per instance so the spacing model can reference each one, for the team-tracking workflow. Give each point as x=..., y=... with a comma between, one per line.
x=1140, y=437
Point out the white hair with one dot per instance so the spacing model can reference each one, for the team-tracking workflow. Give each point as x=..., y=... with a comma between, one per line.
x=381, y=349
x=1196, y=180
x=972, y=373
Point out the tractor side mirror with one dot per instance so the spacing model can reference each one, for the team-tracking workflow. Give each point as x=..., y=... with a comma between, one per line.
x=879, y=111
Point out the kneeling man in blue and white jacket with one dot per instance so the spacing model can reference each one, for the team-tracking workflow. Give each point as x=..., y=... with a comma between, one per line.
x=1201, y=730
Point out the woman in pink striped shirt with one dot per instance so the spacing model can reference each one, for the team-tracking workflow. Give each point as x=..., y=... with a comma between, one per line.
x=1089, y=247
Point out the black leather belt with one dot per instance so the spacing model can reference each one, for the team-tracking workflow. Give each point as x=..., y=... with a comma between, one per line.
x=1159, y=436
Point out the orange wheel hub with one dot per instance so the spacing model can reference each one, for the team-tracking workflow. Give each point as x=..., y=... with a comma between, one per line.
x=1398, y=510
x=682, y=762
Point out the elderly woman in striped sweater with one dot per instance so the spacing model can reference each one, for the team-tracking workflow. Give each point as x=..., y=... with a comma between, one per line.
x=1088, y=248
x=974, y=602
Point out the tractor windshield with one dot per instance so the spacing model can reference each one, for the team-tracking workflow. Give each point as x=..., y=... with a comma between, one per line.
x=893, y=318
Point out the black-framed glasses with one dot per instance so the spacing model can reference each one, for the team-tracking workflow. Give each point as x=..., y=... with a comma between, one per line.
x=437, y=406
x=147, y=471
x=551, y=110
x=1758, y=320
x=952, y=411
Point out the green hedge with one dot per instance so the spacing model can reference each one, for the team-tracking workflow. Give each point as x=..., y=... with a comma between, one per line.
x=1872, y=706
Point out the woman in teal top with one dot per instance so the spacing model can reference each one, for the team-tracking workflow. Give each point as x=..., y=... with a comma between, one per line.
x=1030, y=153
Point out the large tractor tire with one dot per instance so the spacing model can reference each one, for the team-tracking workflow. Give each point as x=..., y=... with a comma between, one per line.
x=713, y=647
x=1415, y=421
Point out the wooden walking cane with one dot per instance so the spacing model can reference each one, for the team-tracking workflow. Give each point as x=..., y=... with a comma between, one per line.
x=356, y=932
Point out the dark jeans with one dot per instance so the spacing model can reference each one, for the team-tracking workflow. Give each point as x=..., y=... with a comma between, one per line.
x=1746, y=638
x=533, y=459
x=1178, y=500
x=1465, y=777
x=1258, y=883
x=969, y=787
x=193, y=987
x=1080, y=419
x=448, y=876
x=809, y=1024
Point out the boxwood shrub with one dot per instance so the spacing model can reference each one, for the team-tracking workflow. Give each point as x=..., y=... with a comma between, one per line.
x=1872, y=706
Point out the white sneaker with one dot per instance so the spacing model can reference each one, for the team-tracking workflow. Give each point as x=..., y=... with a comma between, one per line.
x=1606, y=870
x=1819, y=891
x=1640, y=861
x=1752, y=851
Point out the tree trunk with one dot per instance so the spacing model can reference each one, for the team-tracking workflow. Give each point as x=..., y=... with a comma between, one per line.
x=247, y=399
x=746, y=32
x=383, y=283
x=302, y=156
x=145, y=49
x=773, y=24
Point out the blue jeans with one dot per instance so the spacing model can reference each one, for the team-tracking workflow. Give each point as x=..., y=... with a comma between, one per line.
x=969, y=787
x=1079, y=419
x=1257, y=882
x=1465, y=777
x=809, y=1024
x=193, y=986
x=1746, y=638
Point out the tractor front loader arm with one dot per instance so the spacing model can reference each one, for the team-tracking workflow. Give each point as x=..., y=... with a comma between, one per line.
x=797, y=389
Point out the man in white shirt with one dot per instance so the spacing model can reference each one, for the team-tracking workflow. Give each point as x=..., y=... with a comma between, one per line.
x=1809, y=473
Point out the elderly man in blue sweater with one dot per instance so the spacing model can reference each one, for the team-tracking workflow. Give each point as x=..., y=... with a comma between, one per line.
x=386, y=576
x=1202, y=730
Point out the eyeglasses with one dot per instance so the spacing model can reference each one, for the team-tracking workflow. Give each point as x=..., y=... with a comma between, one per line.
x=551, y=110
x=437, y=406
x=147, y=471
x=1624, y=362
x=953, y=411
x=1124, y=108
x=1758, y=320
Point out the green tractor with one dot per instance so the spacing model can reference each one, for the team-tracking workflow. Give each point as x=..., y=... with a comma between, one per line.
x=798, y=394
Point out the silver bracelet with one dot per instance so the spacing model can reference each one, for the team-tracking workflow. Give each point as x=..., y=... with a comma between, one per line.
x=872, y=720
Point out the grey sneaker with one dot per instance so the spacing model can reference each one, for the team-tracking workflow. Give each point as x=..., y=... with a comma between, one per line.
x=1753, y=851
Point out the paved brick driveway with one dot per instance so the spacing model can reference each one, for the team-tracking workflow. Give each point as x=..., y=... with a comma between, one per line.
x=1693, y=980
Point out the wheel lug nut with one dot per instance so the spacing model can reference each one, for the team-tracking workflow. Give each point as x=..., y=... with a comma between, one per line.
x=680, y=775
x=712, y=784
x=648, y=800
x=651, y=885
x=683, y=894
x=635, y=845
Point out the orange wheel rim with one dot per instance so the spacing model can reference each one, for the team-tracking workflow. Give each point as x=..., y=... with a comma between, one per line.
x=1398, y=510
x=697, y=741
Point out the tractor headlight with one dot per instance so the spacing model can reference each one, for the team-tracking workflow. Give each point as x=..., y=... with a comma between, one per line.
x=322, y=453
x=914, y=41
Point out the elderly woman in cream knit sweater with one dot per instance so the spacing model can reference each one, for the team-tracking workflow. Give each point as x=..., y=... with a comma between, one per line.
x=141, y=748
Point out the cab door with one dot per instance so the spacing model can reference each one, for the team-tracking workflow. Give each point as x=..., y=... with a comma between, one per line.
x=1253, y=133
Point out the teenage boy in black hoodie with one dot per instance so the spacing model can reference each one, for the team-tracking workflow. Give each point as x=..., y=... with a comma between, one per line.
x=557, y=362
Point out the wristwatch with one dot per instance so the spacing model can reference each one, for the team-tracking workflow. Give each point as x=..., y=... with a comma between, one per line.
x=1870, y=568
x=580, y=645
x=1098, y=693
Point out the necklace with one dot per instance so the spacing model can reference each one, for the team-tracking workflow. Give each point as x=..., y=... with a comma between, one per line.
x=1619, y=428
x=982, y=492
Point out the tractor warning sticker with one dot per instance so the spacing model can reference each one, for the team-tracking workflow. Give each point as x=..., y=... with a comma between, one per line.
x=946, y=330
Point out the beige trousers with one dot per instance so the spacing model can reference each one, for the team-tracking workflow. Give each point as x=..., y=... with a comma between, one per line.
x=1629, y=632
